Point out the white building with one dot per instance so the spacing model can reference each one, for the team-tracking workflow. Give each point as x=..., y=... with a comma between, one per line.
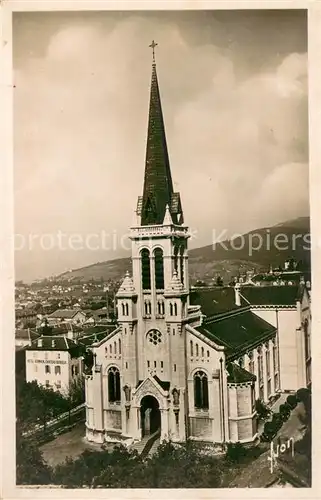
x=54, y=362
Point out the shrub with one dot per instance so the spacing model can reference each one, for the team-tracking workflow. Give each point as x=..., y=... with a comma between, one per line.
x=235, y=452
x=269, y=431
x=304, y=395
x=277, y=421
x=262, y=409
x=285, y=411
x=292, y=401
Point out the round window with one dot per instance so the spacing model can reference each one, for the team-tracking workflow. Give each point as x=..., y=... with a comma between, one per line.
x=154, y=336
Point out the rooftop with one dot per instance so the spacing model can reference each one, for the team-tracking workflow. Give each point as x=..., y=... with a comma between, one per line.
x=237, y=332
x=271, y=295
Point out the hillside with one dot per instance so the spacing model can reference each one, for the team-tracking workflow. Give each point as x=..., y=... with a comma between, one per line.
x=256, y=250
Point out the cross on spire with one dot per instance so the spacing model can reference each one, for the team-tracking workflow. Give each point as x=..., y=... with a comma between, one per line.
x=153, y=45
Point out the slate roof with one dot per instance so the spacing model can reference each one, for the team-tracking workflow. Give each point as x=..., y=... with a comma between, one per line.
x=65, y=313
x=158, y=185
x=164, y=384
x=25, y=334
x=283, y=295
x=237, y=332
x=238, y=375
x=61, y=343
x=88, y=340
x=215, y=300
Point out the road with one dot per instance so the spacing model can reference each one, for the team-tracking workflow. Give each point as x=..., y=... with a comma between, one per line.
x=70, y=444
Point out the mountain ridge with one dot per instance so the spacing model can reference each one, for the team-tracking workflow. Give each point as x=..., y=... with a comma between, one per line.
x=257, y=250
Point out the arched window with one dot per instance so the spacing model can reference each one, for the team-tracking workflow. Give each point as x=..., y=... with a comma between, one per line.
x=191, y=346
x=208, y=354
x=196, y=348
x=175, y=309
x=115, y=348
x=126, y=309
x=159, y=269
x=201, y=390
x=110, y=349
x=119, y=346
x=181, y=260
x=123, y=309
x=145, y=269
x=113, y=385
x=202, y=352
x=171, y=309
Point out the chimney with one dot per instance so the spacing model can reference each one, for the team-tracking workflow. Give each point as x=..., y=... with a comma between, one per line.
x=237, y=290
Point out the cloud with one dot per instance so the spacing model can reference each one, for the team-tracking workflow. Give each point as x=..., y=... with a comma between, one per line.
x=81, y=121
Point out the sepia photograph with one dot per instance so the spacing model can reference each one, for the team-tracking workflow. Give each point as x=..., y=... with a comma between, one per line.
x=162, y=249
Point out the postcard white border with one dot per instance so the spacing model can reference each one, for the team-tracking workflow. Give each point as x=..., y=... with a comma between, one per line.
x=7, y=413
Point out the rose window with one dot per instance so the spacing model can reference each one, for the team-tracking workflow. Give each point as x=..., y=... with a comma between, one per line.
x=154, y=337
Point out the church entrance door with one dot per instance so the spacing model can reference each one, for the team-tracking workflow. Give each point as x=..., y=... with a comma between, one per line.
x=150, y=415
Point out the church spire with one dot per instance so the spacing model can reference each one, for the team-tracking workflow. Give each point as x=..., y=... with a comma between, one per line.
x=158, y=185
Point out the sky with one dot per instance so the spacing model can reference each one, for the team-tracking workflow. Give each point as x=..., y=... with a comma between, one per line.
x=233, y=86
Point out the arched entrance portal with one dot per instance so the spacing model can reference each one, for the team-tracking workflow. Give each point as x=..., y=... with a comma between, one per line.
x=150, y=416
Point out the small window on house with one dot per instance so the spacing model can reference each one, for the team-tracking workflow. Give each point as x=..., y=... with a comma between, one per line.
x=208, y=354
x=154, y=364
x=76, y=370
x=110, y=349
x=57, y=370
x=106, y=350
x=191, y=347
x=174, y=368
x=162, y=364
x=202, y=352
x=123, y=309
x=126, y=365
x=175, y=309
x=58, y=384
x=47, y=369
x=196, y=348
x=125, y=329
x=126, y=309
x=173, y=331
x=148, y=364
x=171, y=309
x=47, y=383
x=119, y=346
x=115, y=348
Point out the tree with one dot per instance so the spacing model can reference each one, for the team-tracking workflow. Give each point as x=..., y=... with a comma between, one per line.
x=30, y=466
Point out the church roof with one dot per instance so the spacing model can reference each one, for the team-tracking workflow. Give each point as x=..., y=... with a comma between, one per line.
x=283, y=295
x=127, y=287
x=214, y=301
x=238, y=375
x=158, y=185
x=237, y=332
x=175, y=285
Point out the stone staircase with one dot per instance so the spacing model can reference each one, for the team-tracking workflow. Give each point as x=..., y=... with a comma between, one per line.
x=144, y=446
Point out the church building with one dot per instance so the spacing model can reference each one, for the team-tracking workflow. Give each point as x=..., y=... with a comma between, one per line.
x=172, y=364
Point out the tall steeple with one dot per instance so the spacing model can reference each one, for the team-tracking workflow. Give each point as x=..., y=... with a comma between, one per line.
x=158, y=185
